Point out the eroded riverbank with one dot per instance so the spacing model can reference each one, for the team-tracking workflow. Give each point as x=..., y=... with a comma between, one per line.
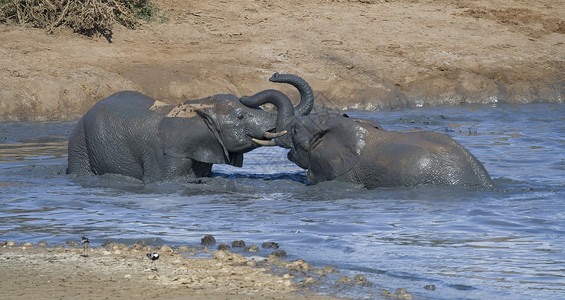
x=355, y=54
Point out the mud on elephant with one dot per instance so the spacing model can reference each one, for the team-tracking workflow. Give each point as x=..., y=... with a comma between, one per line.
x=333, y=146
x=131, y=134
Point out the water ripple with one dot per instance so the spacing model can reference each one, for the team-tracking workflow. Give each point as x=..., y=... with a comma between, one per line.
x=507, y=243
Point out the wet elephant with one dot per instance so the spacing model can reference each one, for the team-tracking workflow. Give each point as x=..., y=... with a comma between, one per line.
x=336, y=147
x=131, y=134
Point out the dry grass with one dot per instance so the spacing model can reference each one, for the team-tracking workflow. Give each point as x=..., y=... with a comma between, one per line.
x=88, y=17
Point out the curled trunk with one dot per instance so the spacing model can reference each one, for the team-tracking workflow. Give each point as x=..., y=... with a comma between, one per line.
x=285, y=110
x=306, y=103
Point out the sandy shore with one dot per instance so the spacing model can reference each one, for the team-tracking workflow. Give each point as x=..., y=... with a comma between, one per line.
x=355, y=54
x=124, y=272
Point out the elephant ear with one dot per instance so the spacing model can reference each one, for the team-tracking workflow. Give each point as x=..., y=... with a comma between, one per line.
x=211, y=120
x=190, y=137
x=336, y=150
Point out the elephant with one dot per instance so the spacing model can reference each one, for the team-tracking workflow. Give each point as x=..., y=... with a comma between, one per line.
x=335, y=147
x=131, y=134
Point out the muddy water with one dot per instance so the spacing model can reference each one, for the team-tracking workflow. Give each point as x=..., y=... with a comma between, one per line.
x=508, y=243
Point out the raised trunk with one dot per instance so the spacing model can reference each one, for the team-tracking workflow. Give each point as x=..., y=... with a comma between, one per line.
x=285, y=110
x=306, y=103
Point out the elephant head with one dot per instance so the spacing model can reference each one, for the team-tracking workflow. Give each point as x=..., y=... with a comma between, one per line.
x=220, y=128
x=328, y=145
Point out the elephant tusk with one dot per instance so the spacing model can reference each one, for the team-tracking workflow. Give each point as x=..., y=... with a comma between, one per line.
x=273, y=135
x=264, y=142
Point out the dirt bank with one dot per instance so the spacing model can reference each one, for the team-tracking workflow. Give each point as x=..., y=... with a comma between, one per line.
x=355, y=54
x=122, y=272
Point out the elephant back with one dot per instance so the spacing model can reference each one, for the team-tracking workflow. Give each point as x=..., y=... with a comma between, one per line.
x=125, y=101
x=416, y=158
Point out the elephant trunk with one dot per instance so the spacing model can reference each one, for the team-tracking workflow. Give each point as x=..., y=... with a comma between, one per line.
x=285, y=112
x=306, y=103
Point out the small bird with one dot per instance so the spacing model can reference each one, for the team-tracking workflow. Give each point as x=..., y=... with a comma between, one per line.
x=153, y=257
x=85, y=242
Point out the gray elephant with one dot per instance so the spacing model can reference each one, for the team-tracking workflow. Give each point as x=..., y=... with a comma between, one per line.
x=333, y=146
x=131, y=134
x=337, y=147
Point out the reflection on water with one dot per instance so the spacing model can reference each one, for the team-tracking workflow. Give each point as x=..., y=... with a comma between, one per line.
x=506, y=243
